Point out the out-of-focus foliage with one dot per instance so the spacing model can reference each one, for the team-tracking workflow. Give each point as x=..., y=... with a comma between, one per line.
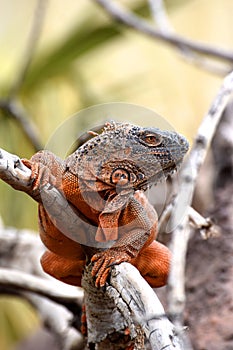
x=17, y=319
x=83, y=58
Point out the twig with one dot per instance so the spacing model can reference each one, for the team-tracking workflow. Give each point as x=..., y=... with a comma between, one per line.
x=129, y=19
x=21, y=281
x=15, y=110
x=55, y=302
x=188, y=177
x=160, y=17
x=58, y=320
x=34, y=35
x=205, y=226
x=10, y=106
x=13, y=244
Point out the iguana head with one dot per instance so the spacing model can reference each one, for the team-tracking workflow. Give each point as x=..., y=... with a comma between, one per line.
x=128, y=156
x=122, y=159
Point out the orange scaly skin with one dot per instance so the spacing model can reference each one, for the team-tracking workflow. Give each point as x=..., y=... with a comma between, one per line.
x=104, y=181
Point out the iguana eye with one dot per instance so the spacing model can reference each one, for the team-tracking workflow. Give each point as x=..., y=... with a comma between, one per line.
x=151, y=139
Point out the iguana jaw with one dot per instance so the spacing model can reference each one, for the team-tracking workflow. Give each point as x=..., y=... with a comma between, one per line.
x=159, y=176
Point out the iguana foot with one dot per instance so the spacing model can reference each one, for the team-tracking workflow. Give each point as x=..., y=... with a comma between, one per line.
x=103, y=262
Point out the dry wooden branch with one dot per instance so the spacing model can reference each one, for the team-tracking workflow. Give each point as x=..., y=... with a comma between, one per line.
x=34, y=35
x=147, y=309
x=13, y=245
x=15, y=110
x=205, y=226
x=128, y=303
x=52, y=299
x=58, y=320
x=10, y=106
x=21, y=281
x=23, y=271
x=188, y=177
x=161, y=19
x=159, y=15
x=129, y=19
x=13, y=171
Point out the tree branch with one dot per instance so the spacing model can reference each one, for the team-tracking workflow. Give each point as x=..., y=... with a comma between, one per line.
x=146, y=307
x=13, y=171
x=127, y=18
x=14, y=109
x=10, y=106
x=23, y=272
x=22, y=281
x=58, y=320
x=160, y=17
x=206, y=227
x=34, y=35
x=128, y=303
x=55, y=302
x=188, y=177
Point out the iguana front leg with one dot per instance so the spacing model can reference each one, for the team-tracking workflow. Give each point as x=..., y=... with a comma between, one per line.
x=136, y=230
x=113, y=256
x=153, y=262
x=65, y=258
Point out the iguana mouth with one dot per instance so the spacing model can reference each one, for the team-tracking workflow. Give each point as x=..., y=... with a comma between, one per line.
x=159, y=176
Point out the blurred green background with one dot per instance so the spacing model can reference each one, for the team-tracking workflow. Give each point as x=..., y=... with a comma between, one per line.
x=82, y=59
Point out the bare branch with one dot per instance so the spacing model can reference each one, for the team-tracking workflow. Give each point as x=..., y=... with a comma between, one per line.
x=160, y=16
x=55, y=302
x=128, y=303
x=129, y=19
x=29, y=275
x=58, y=320
x=22, y=281
x=188, y=176
x=15, y=110
x=13, y=245
x=55, y=317
x=13, y=171
x=146, y=307
x=10, y=106
x=34, y=35
x=205, y=226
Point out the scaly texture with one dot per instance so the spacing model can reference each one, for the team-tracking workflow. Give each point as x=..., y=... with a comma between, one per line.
x=104, y=181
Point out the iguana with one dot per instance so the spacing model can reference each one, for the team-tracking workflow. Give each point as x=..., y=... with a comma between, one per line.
x=104, y=181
